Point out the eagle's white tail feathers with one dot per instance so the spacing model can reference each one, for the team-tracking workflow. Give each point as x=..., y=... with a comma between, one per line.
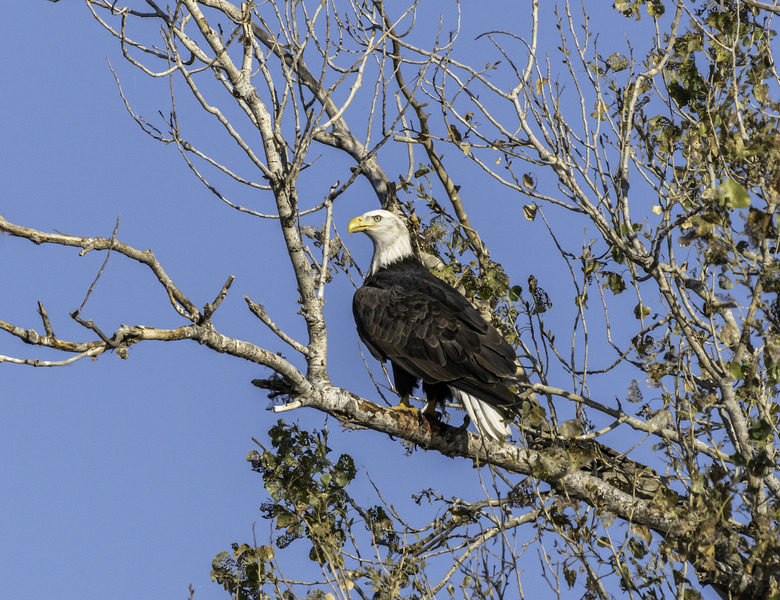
x=487, y=419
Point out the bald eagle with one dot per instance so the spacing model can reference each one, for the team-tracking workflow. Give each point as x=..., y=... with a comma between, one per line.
x=429, y=331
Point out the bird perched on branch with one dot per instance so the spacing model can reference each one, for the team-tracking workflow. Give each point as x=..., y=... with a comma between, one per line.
x=429, y=331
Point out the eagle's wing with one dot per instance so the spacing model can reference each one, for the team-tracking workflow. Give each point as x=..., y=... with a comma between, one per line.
x=431, y=331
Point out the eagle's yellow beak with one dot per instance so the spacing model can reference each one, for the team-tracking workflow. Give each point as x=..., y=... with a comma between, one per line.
x=358, y=224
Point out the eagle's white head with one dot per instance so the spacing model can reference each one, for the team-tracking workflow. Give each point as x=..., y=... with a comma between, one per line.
x=389, y=234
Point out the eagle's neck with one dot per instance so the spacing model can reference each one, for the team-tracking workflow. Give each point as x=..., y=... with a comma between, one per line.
x=388, y=251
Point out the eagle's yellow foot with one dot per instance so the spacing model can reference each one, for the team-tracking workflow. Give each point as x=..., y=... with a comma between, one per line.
x=405, y=406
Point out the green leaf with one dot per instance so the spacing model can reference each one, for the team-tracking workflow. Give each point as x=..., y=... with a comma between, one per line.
x=220, y=561
x=617, y=62
x=421, y=171
x=570, y=575
x=514, y=293
x=570, y=429
x=733, y=194
x=697, y=483
x=535, y=414
x=615, y=282
x=736, y=370
x=285, y=518
x=617, y=254
x=641, y=311
x=591, y=267
x=761, y=92
x=761, y=431
x=600, y=111
x=655, y=8
x=724, y=282
x=340, y=479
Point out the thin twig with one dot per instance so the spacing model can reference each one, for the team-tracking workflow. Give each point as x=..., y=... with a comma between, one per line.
x=260, y=313
x=100, y=272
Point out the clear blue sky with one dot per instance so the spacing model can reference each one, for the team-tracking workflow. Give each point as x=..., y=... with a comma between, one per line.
x=123, y=478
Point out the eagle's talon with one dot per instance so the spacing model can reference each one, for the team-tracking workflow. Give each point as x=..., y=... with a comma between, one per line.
x=466, y=421
x=430, y=411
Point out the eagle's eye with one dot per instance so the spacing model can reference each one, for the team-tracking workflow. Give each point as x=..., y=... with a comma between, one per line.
x=377, y=218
